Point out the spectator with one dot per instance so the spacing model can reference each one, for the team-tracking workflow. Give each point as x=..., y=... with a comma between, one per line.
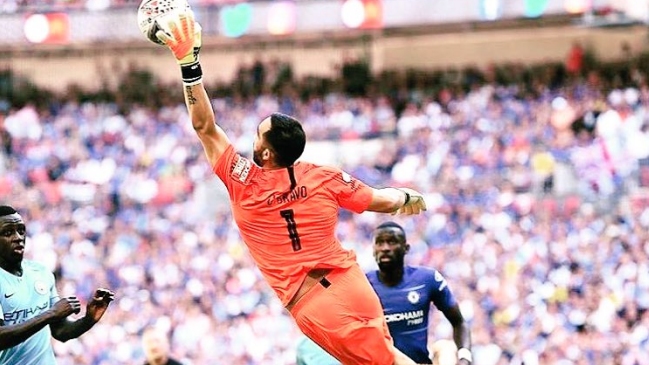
x=156, y=347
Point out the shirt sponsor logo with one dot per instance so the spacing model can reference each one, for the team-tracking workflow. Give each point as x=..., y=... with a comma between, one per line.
x=22, y=315
x=412, y=317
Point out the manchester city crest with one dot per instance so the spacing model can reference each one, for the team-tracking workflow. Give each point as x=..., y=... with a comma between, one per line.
x=40, y=287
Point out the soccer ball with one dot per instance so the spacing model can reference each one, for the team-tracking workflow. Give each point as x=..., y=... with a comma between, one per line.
x=153, y=14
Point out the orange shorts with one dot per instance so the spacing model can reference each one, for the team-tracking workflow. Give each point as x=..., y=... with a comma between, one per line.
x=346, y=319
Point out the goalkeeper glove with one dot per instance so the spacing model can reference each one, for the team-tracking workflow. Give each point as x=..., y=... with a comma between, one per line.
x=414, y=203
x=183, y=37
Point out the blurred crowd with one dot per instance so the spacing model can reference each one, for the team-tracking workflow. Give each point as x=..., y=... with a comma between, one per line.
x=535, y=180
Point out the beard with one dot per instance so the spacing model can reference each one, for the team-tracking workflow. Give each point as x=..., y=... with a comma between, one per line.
x=393, y=264
x=387, y=266
x=256, y=157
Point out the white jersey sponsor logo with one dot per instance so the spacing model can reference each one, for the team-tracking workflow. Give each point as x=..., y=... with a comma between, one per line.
x=413, y=317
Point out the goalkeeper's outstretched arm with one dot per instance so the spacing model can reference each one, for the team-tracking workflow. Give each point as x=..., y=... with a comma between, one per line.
x=397, y=201
x=184, y=40
x=213, y=138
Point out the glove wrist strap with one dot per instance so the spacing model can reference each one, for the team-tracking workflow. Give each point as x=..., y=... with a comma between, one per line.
x=407, y=199
x=192, y=73
x=465, y=354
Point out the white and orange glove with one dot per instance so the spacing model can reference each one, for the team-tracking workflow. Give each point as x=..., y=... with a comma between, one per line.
x=414, y=203
x=182, y=34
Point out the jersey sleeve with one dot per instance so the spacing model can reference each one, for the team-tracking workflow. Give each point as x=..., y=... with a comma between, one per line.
x=234, y=170
x=223, y=166
x=441, y=295
x=350, y=193
x=54, y=293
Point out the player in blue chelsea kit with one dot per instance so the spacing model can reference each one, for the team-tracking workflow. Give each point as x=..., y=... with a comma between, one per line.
x=30, y=307
x=406, y=293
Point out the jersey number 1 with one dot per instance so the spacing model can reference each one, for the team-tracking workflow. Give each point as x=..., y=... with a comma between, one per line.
x=287, y=214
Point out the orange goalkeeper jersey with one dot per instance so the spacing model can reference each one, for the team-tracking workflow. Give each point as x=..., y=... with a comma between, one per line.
x=288, y=232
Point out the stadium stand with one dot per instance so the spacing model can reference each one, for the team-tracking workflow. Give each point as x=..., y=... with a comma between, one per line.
x=536, y=179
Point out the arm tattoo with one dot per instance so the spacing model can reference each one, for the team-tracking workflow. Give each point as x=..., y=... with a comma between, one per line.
x=191, y=100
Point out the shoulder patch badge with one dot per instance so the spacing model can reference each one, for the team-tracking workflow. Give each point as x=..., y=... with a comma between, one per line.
x=241, y=169
x=440, y=279
x=346, y=177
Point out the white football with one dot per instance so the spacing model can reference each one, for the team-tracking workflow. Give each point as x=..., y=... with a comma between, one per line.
x=152, y=15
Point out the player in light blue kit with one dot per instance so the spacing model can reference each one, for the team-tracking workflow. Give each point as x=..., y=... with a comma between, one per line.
x=309, y=353
x=30, y=307
x=406, y=293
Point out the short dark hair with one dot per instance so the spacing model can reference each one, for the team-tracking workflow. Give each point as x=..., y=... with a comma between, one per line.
x=391, y=224
x=287, y=139
x=7, y=210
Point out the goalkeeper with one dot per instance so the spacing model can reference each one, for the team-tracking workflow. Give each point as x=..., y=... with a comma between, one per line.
x=287, y=213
